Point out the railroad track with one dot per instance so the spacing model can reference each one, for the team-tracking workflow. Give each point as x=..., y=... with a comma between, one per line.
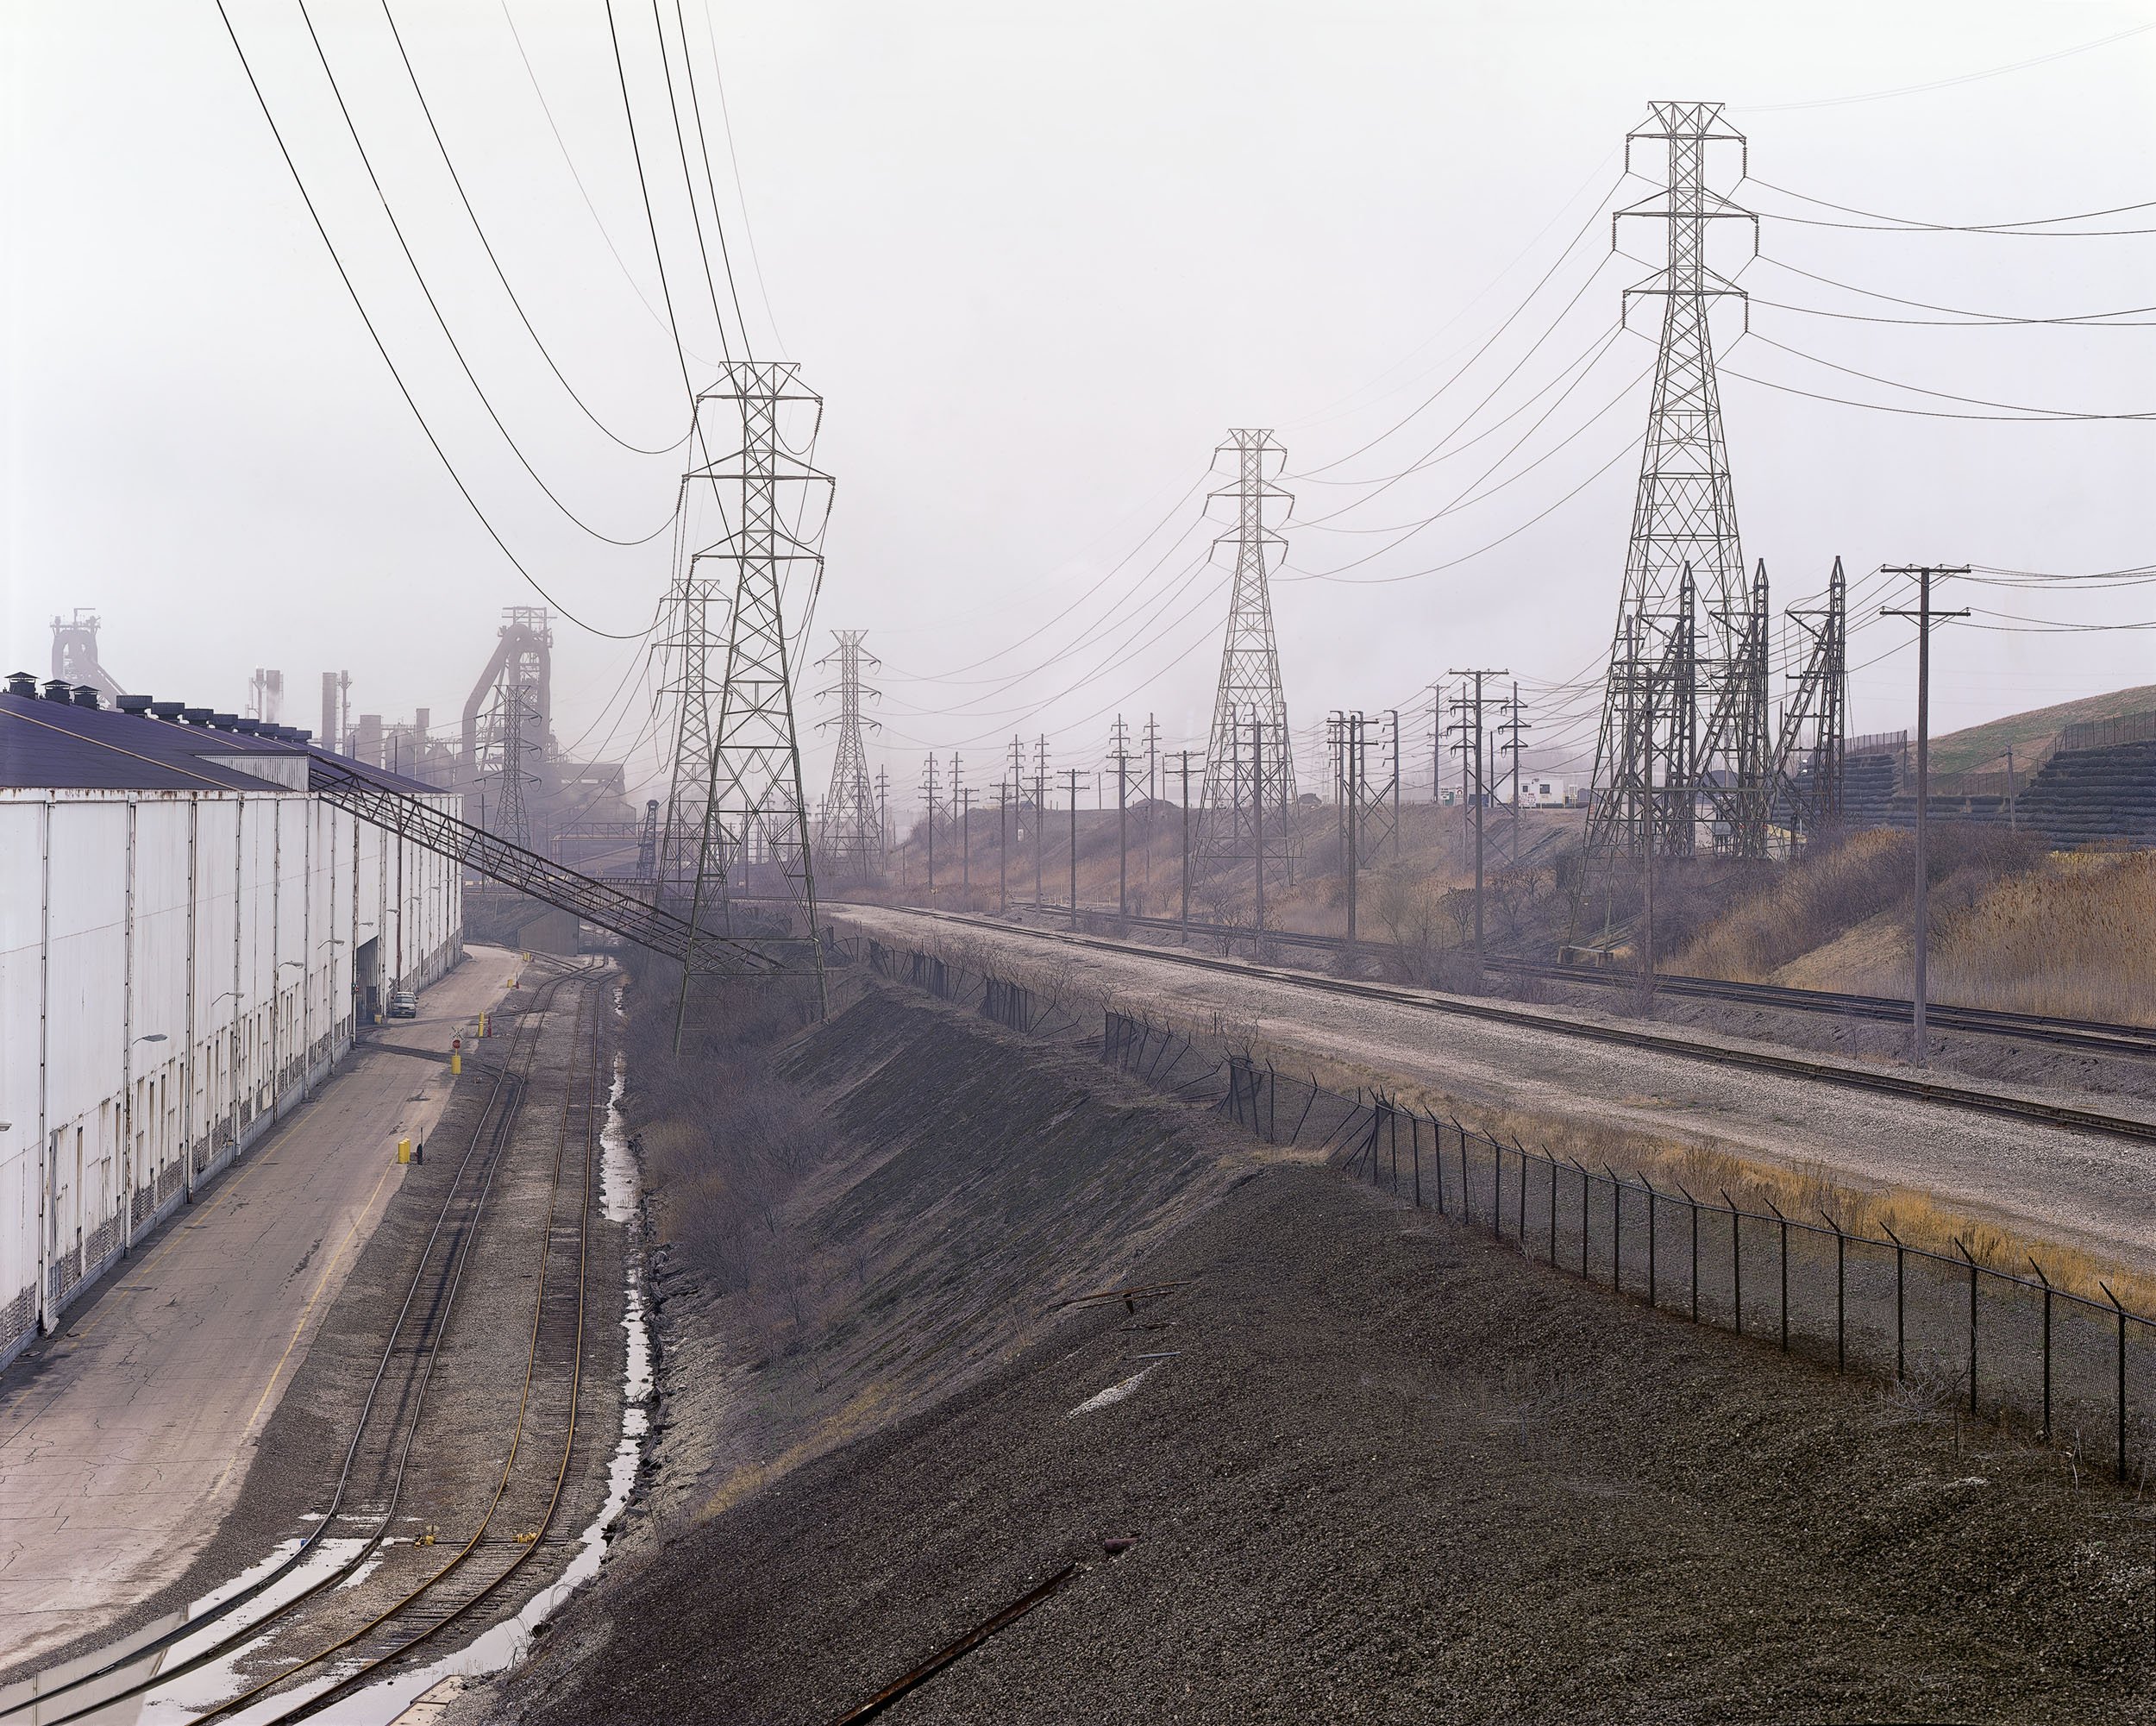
x=1846, y=1076
x=370, y=1482
x=2087, y=1036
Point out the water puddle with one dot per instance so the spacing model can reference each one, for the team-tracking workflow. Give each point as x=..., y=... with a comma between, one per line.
x=413, y=1695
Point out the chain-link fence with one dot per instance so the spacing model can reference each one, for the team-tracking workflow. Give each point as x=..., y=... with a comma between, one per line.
x=1999, y=1342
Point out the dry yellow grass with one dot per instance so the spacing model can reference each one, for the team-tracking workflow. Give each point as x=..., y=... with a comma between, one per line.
x=2075, y=938
x=1816, y=900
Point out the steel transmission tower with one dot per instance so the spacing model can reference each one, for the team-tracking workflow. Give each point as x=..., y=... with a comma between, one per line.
x=1685, y=720
x=1810, y=754
x=696, y=648
x=851, y=834
x=1246, y=807
x=752, y=840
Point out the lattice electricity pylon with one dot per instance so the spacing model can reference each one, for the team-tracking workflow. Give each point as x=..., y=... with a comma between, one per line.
x=1246, y=810
x=695, y=649
x=849, y=833
x=753, y=843
x=1808, y=753
x=1656, y=774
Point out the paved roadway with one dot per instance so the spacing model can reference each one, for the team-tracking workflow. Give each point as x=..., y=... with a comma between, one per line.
x=125, y=1439
x=2087, y=1189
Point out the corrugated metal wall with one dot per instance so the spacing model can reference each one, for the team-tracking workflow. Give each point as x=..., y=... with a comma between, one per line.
x=176, y=971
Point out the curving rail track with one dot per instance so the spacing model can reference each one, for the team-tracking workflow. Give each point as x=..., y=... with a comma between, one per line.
x=371, y=1482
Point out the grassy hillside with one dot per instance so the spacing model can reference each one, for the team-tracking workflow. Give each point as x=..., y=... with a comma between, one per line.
x=2032, y=735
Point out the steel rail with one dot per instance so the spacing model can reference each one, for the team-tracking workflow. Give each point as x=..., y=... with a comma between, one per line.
x=2091, y=1035
x=509, y=1080
x=1541, y=1019
x=317, y=1700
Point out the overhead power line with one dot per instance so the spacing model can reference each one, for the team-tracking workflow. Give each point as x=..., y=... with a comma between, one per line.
x=1917, y=225
x=381, y=347
x=501, y=275
x=1950, y=83
x=426, y=291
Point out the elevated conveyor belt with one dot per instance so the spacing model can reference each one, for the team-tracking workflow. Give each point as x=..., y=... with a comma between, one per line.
x=710, y=953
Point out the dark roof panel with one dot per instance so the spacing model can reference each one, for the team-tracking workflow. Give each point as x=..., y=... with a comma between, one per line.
x=57, y=745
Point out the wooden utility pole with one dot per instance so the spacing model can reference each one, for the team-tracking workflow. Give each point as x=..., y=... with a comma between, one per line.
x=1122, y=758
x=1471, y=710
x=1184, y=756
x=1003, y=847
x=1924, y=616
x=1040, y=813
x=1071, y=774
x=1347, y=739
x=1257, y=809
x=929, y=786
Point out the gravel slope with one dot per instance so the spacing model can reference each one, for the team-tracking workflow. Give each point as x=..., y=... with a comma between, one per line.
x=1390, y=1474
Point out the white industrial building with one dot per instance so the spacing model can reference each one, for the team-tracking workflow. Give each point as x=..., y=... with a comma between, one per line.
x=189, y=939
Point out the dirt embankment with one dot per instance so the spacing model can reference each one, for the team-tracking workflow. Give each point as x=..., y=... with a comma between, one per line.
x=1371, y=1467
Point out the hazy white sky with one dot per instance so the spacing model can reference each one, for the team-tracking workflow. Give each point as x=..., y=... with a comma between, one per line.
x=1038, y=260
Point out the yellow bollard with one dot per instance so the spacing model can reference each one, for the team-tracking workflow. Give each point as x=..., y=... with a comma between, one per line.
x=403, y=1150
x=456, y=1056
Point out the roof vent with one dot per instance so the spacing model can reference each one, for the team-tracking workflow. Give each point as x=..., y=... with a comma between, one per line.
x=194, y=716
x=58, y=691
x=300, y=737
x=225, y=722
x=252, y=727
x=168, y=710
x=22, y=683
x=86, y=696
x=133, y=704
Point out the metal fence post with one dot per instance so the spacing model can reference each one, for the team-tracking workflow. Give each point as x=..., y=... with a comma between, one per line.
x=1971, y=1264
x=1437, y=1158
x=1467, y=1196
x=1841, y=1299
x=2121, y=1311
x=1616, y=1232
x=1736, y=1262
x=1653, y=1300
x=1586, y=1215
x=1296, y=1137
x=2046, y=1281
x=1520, y=1150
x=1694, y=1204
x=1901, y=1328
x=1784, y=1221
x=1496, y=1188
x=1552, y=1163
x=1414, y=1152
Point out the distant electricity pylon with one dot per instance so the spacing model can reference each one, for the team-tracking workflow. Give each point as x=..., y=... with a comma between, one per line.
x=696, y=613
x=752, y=841
x=852, y=834
x=1684, y=732
x=1247, y=805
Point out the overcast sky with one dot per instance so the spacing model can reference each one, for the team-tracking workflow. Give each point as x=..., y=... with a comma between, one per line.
x=1038, y=262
